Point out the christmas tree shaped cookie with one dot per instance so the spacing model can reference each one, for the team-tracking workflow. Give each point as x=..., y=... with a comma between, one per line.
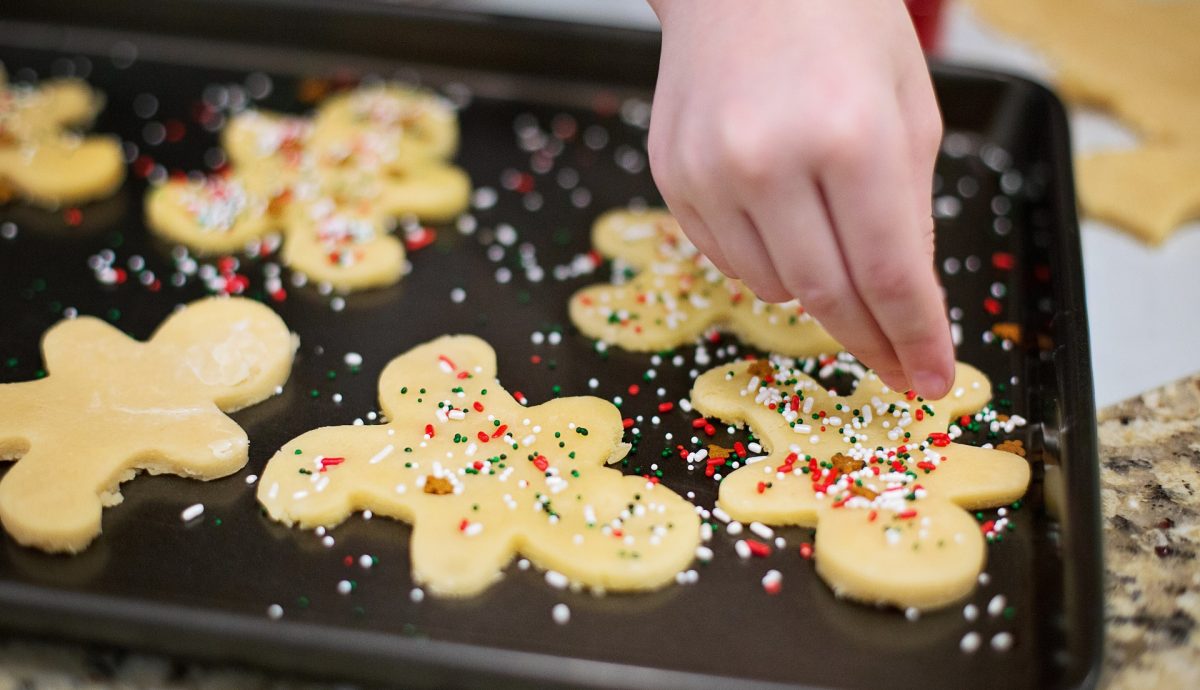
x=483, y=478
x=677, y=294
x=112, y=407
x=40, y=159
x=876, y=472
x=333, y=184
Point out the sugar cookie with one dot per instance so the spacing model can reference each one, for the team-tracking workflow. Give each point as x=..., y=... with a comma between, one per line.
x=483, y=478
x=333, y=184
x=678, y=294
x=1144, y=71
x=112, y=406
x=40, y=160
x=875, y=471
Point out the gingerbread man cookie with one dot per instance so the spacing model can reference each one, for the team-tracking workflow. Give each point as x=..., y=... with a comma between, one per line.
x=112, y=407
x=678, y=294
x=40, y=160
x=876, y=472
x=1144, y=72
x=483, y=478
x=333, y=184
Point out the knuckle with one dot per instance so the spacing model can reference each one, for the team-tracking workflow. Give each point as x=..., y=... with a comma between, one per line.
x=885, y=280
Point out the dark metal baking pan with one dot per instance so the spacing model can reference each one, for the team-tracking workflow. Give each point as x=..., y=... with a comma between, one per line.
x=202, y=590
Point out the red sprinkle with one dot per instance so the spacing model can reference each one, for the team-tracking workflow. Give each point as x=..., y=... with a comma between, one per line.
x=699, y=423
x=939, y=439
x=500, y=431
x=762, y=487
x=73, y=216
x=429, y=430
x=907, y=515
x=420, y=239
x=541, y=463
x=634, y=389
x=1003, y=261
x=665, y=407
x=758, y=549
x=627, y=423
x=992, y=306
x=806, y=551
x=483, y=437
x=478, y=406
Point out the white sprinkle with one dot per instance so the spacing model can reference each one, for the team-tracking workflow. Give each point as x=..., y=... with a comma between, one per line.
x=556, y=579
x=327, y=541
x=274, y=612
x=366, y=561
x=561, y=614
x=970, y=612
x=996, y=605
x=742, y=548
x=734, y=528
x=969, y=642
x=772, y=580
x=192, y=512
x=458, y=295
x=912, y=614
x=762, y=530
x=523, y=564
x=704, y=554
x=344, y=586
x=250, y=479
x=1002, y=642
x=353, y=359
x=417, y=595
x=984, y=579
x=383, y=453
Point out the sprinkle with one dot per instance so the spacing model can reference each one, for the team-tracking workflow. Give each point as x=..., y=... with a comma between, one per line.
x=274, y=612
x=366, y=561
x=345, y=587
x=353, y=359
x=969, y=643
x=561, y=614
x=772, y=582
x=762, y=530
x=970, y=612
x=417, y=595
x=996, y=606
x=742, y=548
x=1002, y=641
x=192, y=512
x=556, y=579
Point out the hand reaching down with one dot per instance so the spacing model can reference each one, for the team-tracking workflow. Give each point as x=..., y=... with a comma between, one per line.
x=795, y=143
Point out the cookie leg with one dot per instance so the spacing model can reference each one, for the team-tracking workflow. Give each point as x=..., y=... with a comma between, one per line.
x=48, y=505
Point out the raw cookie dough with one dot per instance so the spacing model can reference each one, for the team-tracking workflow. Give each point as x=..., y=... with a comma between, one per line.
x=1138, y=59
x=112, y=406
x=875, y=471
x=677, y=294
x=40, y=160
x=333, y=184
x=483, y=478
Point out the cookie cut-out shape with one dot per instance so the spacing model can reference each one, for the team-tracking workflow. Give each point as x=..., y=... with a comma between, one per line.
x=1136, y=59
x=333, y=184
x=41, y=160
x=483, y=478
x=112, y=406
x=876, y=472
x=678, y=294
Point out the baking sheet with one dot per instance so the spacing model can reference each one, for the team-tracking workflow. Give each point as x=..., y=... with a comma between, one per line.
x=203, y=589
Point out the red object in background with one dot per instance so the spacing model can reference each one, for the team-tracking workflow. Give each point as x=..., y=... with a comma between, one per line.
x=927, y=19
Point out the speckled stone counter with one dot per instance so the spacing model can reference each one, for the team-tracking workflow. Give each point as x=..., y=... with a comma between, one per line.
x=1150, y=476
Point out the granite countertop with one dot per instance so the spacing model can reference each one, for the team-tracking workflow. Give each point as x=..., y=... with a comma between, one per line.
x=1150, y=476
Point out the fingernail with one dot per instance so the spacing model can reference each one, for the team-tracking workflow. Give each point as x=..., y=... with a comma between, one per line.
x=930, y=385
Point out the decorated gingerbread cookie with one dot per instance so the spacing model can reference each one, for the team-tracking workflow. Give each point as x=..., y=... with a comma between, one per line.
x=483, y=478
x=677, y=294
x=40, y=159
x=876, y=472
x=333, y=184
x=112, y=407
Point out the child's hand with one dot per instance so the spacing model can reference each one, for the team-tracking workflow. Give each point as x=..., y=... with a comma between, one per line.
x=795, y=142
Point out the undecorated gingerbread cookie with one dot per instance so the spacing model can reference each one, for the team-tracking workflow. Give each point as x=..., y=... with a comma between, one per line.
x=112, y=406
x=1137, y=59
x=876, y=472
x=483, y=478
x=677, y=294
x=40, y=159
x=333, y=184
